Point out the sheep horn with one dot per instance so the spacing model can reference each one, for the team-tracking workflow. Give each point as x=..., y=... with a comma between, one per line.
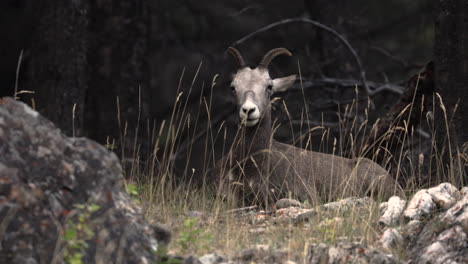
x=236, y=54
x=271, y=55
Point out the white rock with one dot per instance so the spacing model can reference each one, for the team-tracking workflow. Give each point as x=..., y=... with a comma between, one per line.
x=464, y=191
x=421, y=204
x=392, y=211
x=445, y=195
x=391, y=239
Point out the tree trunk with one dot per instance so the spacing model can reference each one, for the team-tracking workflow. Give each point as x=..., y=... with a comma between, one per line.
x=334, y=59
x=85, y=54
x=451, y=80
x=119, y=67
x=57, y=66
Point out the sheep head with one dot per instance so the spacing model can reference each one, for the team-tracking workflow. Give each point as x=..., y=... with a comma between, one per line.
x=252, y=88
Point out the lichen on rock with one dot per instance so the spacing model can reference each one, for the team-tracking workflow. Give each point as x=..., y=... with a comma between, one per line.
x=50, y=183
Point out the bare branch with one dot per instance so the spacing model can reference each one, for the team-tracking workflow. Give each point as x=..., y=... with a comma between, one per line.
x=395, y=58
x=374, y=87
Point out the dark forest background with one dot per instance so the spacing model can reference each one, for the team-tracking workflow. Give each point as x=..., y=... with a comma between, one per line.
x=113, y=69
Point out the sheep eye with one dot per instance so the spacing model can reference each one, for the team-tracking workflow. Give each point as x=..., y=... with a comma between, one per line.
x=233, y=89
x=270, y=87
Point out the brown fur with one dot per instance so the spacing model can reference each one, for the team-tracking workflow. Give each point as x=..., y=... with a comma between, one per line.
x=260, y=169
x=263, y=170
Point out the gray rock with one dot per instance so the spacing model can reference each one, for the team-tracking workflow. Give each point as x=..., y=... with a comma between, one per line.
x=212, y=259
x=48, y=181
x=391, y=239
x=261, y=254
x=346, y=253
x=285, y=203
x=411, y=229
x=187, y=260
x=348, y=204
x=438, y=243
x=305, y=216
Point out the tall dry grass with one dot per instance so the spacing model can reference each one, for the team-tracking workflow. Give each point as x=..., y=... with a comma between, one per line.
x=171, y=196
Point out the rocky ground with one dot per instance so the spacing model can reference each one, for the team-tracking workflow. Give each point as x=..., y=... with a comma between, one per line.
x=62, y=200
x=431, y=228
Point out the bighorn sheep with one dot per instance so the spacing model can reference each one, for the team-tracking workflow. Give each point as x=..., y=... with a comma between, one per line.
x=262, y=169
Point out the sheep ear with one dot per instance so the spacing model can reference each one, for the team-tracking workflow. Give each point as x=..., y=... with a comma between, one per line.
x=282, y=84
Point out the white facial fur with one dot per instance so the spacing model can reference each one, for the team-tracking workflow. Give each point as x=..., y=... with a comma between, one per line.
x=252, y=89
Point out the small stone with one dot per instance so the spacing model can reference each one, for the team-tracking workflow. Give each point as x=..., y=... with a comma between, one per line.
x=285, y=203
x=305, y=216
x=348, y=204
x=259, y=230
x=187, y=260
x=212, y=259
x=262, y=247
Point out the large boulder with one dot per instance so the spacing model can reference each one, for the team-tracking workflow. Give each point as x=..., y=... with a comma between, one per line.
x=61, y=198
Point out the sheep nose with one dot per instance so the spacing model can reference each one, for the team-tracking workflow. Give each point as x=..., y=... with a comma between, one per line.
x=247, y=110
